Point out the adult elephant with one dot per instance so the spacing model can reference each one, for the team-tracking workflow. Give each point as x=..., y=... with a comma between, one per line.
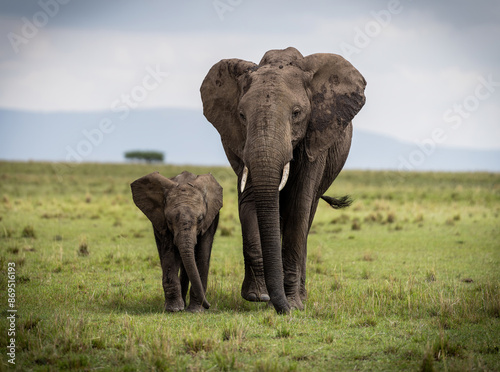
x=285, y=125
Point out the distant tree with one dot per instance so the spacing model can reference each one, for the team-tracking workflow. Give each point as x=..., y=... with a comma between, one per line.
x=147, y=156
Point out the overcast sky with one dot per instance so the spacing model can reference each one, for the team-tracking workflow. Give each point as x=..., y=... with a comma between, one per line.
x=430, y=65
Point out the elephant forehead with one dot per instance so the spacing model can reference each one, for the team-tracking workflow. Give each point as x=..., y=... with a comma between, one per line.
x=276, y=73
x=185, y=193
x=274, y=82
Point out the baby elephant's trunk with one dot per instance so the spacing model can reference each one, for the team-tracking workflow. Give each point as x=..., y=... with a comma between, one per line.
x=186, y=249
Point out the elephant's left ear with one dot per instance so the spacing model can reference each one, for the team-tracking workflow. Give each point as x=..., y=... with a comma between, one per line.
x=337, y=95
x=212, y=193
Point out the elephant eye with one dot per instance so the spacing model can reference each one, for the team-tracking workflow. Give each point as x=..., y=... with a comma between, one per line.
x=243, y=117
x=296, y=113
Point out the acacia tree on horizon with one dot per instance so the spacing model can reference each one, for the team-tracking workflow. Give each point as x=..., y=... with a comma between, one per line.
x=146, y=156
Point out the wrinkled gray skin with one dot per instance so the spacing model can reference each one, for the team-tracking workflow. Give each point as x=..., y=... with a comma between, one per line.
x=184, y=211
x=288, y=108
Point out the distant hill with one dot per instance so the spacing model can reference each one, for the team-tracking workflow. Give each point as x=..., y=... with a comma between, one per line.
x=187, y=138
x=183, y=136
x=374, y=151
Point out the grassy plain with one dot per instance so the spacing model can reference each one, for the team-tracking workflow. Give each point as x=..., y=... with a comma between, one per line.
x=406, y=279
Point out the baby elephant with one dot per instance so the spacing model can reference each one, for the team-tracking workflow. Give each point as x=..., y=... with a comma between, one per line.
x=184, y=211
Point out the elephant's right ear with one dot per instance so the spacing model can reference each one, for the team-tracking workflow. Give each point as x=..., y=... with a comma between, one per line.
x=212, y=193
x=148, y=193
x=337, y=95
x=220, y=93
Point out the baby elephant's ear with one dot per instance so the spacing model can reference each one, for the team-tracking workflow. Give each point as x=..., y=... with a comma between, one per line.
x=212, y=193
x=148, y=193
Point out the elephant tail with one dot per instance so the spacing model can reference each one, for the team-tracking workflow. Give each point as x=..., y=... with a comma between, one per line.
x=338, y=203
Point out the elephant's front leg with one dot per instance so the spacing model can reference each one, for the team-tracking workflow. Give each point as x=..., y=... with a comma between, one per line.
x=170, y=264
x=295, y=231
x=298, y=204
x=254, y=285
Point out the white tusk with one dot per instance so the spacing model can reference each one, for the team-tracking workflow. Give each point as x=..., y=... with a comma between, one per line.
x=286, y=172
x=244, y=179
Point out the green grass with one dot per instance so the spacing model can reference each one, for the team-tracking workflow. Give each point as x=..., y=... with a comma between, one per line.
x=407, y=278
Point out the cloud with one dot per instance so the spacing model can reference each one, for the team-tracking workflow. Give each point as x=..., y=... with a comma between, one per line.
x=416, y=74
x=419, y=63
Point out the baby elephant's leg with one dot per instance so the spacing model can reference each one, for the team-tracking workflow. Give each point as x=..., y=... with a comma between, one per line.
x=170, y=264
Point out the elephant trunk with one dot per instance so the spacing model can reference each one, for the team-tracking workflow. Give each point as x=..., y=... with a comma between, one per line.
x=266, y=168
x=186, y=245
